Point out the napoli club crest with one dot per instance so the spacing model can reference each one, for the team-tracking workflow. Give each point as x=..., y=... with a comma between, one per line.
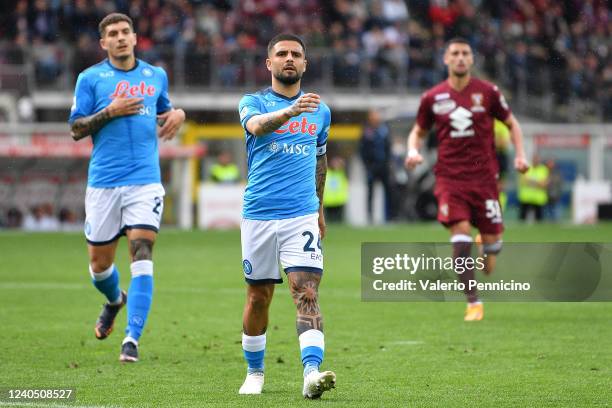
x=247, y=267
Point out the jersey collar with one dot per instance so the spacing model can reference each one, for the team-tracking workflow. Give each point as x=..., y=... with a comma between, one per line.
x=122, y=70
x=293, y=98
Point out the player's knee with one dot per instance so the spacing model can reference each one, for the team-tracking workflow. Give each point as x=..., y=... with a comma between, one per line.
x=259, y=300
x=493, y=248
x=100, y=262
x=142, y=249
x=305, y=290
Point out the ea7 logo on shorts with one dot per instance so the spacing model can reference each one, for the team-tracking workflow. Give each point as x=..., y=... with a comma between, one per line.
x=247, y=267
x=461, y=120
x=444, y=210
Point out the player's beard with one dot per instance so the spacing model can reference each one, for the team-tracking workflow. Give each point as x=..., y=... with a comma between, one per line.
x=461, y=73
x=289, y=78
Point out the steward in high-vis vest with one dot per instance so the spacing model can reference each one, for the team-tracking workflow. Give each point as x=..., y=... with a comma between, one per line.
x=532, y=189
x=336, y=191
x=224, y=171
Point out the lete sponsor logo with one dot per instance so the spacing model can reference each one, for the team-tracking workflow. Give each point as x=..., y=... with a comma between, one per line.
x=298, y=126
x=124, y=88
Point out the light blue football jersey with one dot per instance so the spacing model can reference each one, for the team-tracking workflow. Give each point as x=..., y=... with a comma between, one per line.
x=125, y=150
x=281, y=165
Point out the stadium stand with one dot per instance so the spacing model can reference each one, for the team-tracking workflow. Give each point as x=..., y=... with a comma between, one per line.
x=553, y=55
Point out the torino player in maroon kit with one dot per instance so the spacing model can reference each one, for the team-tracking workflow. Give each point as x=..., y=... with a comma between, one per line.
x=463, y=110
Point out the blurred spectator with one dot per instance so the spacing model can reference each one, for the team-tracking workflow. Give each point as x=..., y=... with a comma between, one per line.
x=225, y=170
x=532, y=190
x=69, y=221
x=535, y=48
x=554, y=191
x=375, y=151
x=41, y=218
x=14, y=218
x=336, y=190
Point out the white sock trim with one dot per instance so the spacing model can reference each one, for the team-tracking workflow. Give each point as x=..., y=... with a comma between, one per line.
x=129, y=339
x=140, y=268
x=461, y=238
x=253, y=343
x=100, y=276
x=312, y=337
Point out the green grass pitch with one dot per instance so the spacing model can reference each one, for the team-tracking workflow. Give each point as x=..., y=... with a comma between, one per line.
x=384, y=354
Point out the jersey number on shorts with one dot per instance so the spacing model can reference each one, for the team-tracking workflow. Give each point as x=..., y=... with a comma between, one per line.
x=158, y=202
x=307, y=246
x=493, y=210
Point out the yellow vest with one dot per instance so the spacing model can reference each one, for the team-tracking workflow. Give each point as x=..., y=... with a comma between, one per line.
x=528, y=194
x=225, y=174
x=336, y=188
x=502, y=135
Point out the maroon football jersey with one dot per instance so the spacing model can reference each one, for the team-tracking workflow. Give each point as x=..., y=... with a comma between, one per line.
x=464, y=127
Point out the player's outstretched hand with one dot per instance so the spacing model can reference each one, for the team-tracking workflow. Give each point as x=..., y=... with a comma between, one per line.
x=308, y=102
x=170, y=122
x=520, y=164
x=123, y=106
x=413, y=159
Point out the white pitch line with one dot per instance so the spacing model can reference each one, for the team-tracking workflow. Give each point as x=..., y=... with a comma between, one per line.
x=406, y=342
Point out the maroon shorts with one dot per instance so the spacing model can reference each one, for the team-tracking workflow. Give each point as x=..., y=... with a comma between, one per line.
x=476, y=203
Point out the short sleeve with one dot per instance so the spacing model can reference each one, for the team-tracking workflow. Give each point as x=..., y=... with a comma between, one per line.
x=424, y=117
x=324, y=134
x=163, y=102
x=499, y=107
x=83, y=100
x=248, y=107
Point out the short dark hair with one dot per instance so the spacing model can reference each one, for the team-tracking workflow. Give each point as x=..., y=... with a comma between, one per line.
x=458, y=40
x=113, y=18
x=285, y=37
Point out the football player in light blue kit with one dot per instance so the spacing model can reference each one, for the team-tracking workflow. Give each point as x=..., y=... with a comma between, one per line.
x=286, y=135
x=119, y=103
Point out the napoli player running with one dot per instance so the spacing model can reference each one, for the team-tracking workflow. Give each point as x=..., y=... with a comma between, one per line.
x=286, y=135
x=463, y=110
x=118, y=102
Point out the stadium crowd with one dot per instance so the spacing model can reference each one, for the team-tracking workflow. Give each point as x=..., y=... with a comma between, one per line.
x=532, y=46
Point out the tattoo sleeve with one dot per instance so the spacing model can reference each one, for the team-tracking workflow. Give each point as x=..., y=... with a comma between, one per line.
x=141, y=249
x=320, y=175
x=305, y=292
x=268, y=122
x=83, y=127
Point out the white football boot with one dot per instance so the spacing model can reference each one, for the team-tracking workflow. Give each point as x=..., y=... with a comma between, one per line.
x=253, y=384
x=315, y=383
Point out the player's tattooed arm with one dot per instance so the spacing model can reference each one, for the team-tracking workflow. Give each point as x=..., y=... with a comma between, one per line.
x=86, y=126
x=269, y=122
x=320, y=176
x=305, y=292
x=120, y=106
